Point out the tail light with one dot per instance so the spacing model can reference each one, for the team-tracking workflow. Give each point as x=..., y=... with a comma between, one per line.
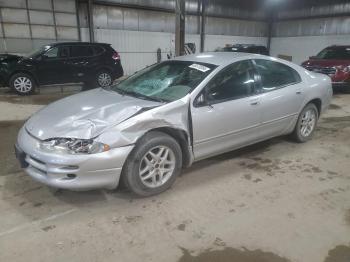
x=116, y=56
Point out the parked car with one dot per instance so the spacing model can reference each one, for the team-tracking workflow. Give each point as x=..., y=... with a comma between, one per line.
x=245, y=48
x=333, y=61
x=94, y=64
x=146, y=128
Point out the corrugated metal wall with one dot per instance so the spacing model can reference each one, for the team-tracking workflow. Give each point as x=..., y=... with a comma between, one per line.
x=28, y=24
x=137, y=34
x=249, y=9
x=313, y=27
x=316, y=27
x=316, y=9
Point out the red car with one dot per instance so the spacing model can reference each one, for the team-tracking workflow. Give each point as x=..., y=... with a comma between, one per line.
x=333, y=61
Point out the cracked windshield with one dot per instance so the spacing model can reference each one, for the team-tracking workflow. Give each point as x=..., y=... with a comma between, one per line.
x=165, y=82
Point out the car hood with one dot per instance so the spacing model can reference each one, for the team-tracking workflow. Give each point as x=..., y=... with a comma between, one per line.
x=85, y=115
x=6, y=58
x=326, y=62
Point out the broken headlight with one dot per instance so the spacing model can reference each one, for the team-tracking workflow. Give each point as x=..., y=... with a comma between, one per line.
x=74, y=146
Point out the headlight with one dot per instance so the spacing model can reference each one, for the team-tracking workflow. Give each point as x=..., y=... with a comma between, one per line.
x=344, y=69
x=74, y=146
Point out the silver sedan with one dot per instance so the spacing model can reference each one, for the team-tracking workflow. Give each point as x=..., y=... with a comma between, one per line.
x=145, y=129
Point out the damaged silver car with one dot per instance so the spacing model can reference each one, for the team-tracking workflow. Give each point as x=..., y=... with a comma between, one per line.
x=145, y=129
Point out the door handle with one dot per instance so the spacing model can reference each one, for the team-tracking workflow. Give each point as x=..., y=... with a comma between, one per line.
x=298, y=92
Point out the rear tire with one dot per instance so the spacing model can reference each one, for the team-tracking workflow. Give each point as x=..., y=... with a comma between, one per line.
x=153, y=165
x=22, y=84
x=306, y=124
x=103, y=78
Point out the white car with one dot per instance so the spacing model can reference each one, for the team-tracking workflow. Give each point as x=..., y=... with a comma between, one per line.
x=148, y=127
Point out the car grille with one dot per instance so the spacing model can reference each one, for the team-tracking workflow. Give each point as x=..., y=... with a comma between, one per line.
x=322, y=70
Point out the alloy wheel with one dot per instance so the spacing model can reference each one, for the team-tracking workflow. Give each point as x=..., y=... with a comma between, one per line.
x=23, y=84
x=104, y=79
x=157, y=166
x=308, y=122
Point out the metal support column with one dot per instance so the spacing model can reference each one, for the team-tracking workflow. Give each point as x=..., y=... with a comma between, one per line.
x=78, y=18
x=180, y=27
x=202, y=25
x=91, y=21
x=269, y=30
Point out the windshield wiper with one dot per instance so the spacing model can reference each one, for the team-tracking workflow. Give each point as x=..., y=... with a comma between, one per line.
x=139, y=95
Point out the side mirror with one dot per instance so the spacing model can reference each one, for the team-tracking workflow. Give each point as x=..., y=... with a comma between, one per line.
x=38, y=58
x=201, y=100
x=312, y=57
x=41, y=57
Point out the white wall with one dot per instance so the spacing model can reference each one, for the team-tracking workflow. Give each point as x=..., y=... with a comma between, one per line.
x=138, y=49
x=301, y=47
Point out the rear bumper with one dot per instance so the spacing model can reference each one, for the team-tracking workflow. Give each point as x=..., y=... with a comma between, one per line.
x=117, y=72
x=67, y=171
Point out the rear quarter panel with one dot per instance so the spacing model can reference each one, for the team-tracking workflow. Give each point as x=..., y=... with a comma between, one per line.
x=315, y=86
x=318, y=86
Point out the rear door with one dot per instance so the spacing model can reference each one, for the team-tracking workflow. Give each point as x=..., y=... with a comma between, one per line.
x=81, y=62
x=226, y=114
x=281, y=96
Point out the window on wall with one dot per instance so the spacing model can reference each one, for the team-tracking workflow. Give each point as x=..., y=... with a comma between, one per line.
x=275, y=75
x=233, y=82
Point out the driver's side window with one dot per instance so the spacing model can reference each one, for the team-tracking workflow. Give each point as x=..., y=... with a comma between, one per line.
x=52, y=53
x=233, y=82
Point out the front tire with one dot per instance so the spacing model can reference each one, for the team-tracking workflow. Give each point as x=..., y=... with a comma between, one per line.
x=153, y=165
x=22, y=84
x=306, y=124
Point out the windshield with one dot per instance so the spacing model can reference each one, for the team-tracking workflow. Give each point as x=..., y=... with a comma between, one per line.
x=167, y=81
x=342, y=53
x=38, y=51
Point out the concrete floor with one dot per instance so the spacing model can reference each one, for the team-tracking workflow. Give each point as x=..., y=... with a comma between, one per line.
x=276, y=201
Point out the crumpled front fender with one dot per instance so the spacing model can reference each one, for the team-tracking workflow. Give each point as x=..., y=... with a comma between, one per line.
x=173, y=115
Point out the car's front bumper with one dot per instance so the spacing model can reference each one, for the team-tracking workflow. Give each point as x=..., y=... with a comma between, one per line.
x=75, y=172
x=341, y=85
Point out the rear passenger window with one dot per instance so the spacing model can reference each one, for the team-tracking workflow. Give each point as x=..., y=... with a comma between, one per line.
x=98, y=50
x=275, y=75
x=81, y=51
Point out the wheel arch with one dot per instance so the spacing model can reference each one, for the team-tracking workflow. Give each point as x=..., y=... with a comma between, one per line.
x=103, y=67
x=182, y=138
x=23, y=72
x=318, y=103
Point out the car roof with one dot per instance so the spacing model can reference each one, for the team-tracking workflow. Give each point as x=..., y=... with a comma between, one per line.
x=218, y=58
x=338, y=46
x=76, y=43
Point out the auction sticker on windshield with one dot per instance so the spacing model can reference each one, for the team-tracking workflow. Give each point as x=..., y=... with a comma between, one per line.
x=200, y=67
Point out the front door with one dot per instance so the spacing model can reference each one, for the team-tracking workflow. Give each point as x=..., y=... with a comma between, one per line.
x=226, y=114
x=52, y=67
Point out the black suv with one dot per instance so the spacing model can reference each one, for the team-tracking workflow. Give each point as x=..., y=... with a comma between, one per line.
x=94, y=64
x=245, y=48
